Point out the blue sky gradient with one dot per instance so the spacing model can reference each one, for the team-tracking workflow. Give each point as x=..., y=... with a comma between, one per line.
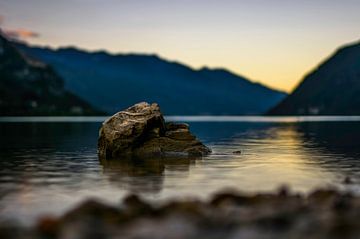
x=275, y=42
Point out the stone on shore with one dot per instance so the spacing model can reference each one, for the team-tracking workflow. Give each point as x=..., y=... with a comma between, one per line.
x=141, y=131
x=325, y=213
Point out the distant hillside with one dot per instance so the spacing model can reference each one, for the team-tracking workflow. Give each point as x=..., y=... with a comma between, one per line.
x=113, y=82
x=332, y=89
x=32, y=88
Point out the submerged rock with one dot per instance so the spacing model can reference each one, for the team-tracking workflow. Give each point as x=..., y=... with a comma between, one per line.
x=141, y=131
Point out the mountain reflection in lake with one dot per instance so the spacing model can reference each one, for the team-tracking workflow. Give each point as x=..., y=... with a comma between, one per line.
x=47, y=167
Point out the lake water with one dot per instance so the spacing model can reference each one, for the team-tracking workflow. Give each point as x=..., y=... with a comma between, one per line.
x=48, y=164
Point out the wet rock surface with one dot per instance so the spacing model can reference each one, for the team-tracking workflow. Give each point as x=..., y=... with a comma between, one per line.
x=141, y=131
x=321, y=214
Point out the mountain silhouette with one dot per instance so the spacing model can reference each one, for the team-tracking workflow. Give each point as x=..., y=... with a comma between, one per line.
x=113, y=82
x=331, y=89
x=29, y=87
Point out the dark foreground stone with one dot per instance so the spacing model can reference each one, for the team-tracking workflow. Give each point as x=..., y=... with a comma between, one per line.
x=321, y=214
x=141, y=131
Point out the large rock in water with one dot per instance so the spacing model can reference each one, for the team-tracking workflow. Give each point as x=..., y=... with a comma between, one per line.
x=141, y=131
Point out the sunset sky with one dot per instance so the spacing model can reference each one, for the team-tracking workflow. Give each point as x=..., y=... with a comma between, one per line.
x=274, y=42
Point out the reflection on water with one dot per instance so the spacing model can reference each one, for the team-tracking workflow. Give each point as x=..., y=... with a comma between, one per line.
x=140, y=175
x=47, y=167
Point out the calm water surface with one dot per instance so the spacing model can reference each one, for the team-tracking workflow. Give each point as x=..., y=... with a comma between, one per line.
x=47, y=165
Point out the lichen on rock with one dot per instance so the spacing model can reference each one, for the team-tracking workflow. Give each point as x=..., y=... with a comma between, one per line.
x=142, y=131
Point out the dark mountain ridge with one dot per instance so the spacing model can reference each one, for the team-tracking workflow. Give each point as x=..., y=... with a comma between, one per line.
x=114, y=81
x=30, y=87
x=333, y=88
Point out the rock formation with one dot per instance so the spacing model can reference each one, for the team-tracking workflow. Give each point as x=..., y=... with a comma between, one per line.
x=141, y=131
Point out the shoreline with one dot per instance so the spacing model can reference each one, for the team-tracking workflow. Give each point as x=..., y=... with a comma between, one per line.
x=324, y=213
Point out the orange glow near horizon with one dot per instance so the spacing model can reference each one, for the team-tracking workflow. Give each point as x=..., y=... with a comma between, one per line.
x=277, y=65
x=273, y=42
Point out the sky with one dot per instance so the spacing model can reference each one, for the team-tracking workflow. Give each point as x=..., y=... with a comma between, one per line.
x=274, y=42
